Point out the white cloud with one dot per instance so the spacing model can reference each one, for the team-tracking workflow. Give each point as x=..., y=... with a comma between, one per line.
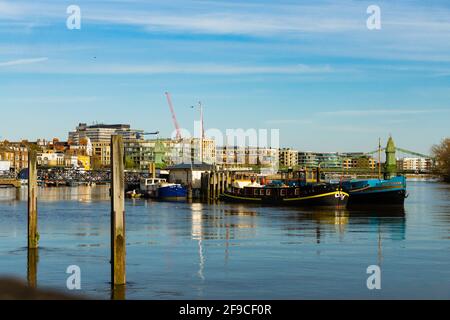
x=411, y=31
x=171, y=68
x=379, y=112
x=8, y=9
x=19, y=62
x=288, y=121
x=238, y=23
x=260, y=18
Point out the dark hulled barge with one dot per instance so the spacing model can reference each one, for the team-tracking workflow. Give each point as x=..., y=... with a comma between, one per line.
x=376, y=191
x=319, y=194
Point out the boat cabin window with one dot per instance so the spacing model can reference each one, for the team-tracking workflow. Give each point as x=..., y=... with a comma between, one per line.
x=261, y=192
x=282, y=192
x=268, y=192
x=256, y=192
x=297, y=191
x=154, y=181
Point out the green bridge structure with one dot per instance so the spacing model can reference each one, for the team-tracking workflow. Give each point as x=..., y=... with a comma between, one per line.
x=388, y=169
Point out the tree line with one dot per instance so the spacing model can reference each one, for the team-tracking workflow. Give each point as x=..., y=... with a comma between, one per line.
x=441, y=153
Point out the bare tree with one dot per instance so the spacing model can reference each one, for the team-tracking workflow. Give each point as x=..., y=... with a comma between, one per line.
x=441, y=153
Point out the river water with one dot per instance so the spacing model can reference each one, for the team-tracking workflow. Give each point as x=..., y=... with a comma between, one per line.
x=229, y=251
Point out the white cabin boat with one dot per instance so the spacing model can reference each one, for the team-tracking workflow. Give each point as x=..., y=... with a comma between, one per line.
x=150, y=186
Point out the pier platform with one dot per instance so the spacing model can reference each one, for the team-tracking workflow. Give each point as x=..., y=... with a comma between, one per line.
x=7, y=182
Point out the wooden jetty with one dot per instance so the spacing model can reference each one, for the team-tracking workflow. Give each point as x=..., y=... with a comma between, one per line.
x=215, y=183
x=8, y=182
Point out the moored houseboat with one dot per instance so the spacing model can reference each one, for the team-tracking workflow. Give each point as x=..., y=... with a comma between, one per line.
x=318, y=194
x=376, y=191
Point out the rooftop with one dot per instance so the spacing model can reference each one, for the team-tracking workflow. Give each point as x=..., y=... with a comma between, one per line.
x=82, y=126
x=194, y=166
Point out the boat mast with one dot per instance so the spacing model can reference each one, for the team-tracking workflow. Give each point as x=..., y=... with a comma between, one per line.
x=379, y=158
x=203, y=129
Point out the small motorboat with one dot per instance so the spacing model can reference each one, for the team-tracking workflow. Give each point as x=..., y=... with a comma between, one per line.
x=157, y=188
x=149, y=187
x=172, y=192
x=133, y=195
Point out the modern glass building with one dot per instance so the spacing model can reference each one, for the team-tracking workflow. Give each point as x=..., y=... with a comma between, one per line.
x=103, y=132
x=310, y=159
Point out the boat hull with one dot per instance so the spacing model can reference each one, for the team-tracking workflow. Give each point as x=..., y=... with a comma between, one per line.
x=377, y=192
x=395, y=197
x=172, y=193
x=333, y=199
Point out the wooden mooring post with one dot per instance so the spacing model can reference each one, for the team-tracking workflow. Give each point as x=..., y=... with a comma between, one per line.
x=118, y=240
x=215, y=183
x=208, y=186
x=222, y=183
x=32, y=262
x=33, y=235
x=215, y=180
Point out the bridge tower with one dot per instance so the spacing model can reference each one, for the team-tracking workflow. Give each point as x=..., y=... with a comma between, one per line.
x=390, y=167
x=159, y=153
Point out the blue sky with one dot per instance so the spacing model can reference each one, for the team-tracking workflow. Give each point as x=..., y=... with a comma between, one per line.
x=309, y=68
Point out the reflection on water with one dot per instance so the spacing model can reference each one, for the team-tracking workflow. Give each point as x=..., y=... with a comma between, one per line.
x=232, y=251
x=81, y=193
x=197, y=234
x=389, y=221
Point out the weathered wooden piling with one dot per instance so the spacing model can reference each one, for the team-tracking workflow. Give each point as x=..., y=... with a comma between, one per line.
x=215, y=186
x=211, y=184
x=33, y=235
x=215, y=183
x=32, y=262
x=118, y=293
x=208, y=189
x=222, y=183
x=318, y=175
x=212, y=187
x=118, y=240
x=189, y=192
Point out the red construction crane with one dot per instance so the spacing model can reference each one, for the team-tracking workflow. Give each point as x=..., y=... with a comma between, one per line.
x=174, y=117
